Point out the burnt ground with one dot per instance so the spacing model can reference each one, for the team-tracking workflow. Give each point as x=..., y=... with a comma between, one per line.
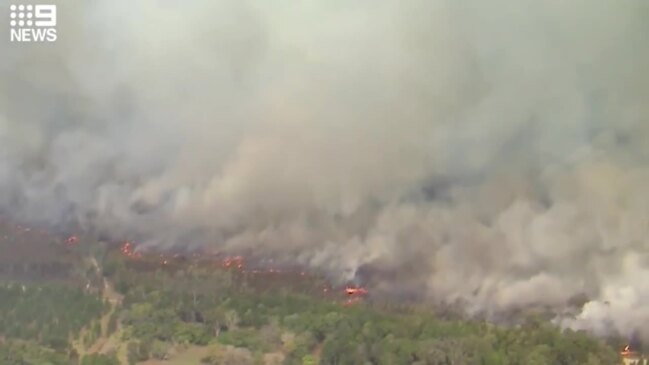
x=30, y=254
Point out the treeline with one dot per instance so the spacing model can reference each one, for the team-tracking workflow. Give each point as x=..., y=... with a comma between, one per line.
x=163, y=310
x=49, y=314
x=39, y=321
x=15, y=352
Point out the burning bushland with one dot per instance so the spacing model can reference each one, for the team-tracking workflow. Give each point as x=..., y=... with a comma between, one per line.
x=257, y=274
x=486, y=153
x=29, y=254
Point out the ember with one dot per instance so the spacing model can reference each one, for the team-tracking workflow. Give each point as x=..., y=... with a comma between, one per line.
x=128, y=250
x=355, y=294
x=72, y=240
x=236, y=261
x=627, y=351
x=352, y=291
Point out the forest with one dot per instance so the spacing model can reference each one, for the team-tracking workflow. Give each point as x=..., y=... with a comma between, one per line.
x=153, y=312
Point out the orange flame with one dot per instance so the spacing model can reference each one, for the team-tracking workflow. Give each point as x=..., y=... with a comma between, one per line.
x=627, y=351
x=355, y=291
x=128, y=249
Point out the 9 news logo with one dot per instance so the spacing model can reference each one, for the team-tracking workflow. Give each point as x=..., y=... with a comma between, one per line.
x=33, y=23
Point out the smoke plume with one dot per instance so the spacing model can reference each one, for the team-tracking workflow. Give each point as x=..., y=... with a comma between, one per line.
x=491, y=153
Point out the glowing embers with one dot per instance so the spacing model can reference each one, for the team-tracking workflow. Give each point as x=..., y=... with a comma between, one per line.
x=627, y=352
x=355, y=291
x=233, y=262
x=261, y=272
x=12, y=230
x=355, y=294
x=72, y=241
x=127, y=249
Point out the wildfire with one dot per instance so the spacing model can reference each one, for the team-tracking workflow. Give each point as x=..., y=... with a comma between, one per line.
x=128, y=250
x=235, y=261
x=72, y=241
x=353, y=291
x=355, y=294
x=627, y=351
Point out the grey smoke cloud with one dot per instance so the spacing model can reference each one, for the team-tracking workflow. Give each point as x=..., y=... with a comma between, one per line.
x=489, y=153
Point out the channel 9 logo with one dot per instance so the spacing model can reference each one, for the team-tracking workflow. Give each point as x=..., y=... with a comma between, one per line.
x=32, y=23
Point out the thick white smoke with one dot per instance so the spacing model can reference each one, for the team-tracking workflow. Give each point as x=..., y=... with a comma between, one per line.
x=487, y=152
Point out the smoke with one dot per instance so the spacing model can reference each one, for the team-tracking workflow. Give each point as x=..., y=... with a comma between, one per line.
x=486, y=153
